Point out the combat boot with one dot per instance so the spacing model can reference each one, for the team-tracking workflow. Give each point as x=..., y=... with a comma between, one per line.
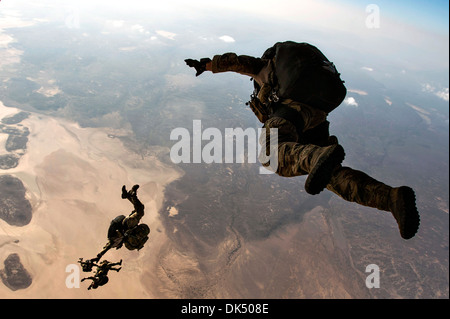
x=320, y=164
x=124, y=192
x=402, y=205
x=129, y=194
x=133, y=191
x=356, y=186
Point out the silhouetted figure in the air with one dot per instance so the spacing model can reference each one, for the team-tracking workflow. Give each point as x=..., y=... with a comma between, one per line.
x=87, y=265
x=127, y=230
x=296, y=87
x=100, y=277
x=122, y=231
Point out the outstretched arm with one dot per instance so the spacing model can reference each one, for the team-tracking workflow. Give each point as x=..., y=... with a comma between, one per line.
x=228, y=62
x=242, y=64
x=107, y=247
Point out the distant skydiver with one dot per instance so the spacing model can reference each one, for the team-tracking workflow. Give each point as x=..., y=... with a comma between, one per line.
x=296, y=87
x=100, y=277
x=126, y=230
x=87, y=265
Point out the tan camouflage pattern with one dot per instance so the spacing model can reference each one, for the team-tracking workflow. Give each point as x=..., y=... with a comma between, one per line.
x=295, y=158
x=356, y=186
x=134, y=218
x=243, y=64
x=311, y=116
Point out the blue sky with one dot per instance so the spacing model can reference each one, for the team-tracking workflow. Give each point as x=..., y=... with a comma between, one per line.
x=432, y=14
x=413, y=34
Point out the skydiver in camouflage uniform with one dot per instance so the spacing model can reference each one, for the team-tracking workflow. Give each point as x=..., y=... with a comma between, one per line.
x=87, y=265
x=127, y=230
x=305, y=146
x=100, y=277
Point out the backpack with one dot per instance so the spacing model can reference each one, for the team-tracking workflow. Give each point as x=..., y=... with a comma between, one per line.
x=137, y=237
x=302, y=73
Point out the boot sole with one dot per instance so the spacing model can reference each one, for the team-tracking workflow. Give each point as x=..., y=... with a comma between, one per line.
x=320, y=176
x=406, y=213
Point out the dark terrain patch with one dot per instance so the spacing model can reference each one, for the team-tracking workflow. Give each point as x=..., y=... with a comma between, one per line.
x=15, y=209
x=14, y=275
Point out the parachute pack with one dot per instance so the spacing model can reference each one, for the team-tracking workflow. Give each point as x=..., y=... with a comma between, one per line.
x=302, y=73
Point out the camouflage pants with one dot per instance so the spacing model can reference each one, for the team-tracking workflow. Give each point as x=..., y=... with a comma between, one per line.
x=294, y=159
x=294, y=153
x=356, y=186
x=133, y=219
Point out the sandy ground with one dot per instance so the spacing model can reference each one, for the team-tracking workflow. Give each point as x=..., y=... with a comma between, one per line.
x=73, y=178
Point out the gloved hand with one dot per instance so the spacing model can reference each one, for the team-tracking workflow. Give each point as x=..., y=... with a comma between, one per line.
x=200, y=66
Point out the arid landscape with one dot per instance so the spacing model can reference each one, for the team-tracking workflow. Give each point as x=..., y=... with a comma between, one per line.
x=73, y=185
x=90, y=93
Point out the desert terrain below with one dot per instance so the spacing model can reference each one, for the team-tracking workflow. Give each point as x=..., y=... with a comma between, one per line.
x=73, y=178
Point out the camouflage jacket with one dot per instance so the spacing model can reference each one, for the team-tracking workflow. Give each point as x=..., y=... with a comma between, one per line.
x=261, y=71
x=256, y=68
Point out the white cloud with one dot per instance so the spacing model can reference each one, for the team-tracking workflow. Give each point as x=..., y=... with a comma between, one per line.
x=227, y=38
x=115, y=23
x=138, y=28
x=351, y=101
x=428, y=88
x=367, y=68
x=128, y=49
x=360, y=92
x=442, y=93
x=166, y=34
x=418, y=109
